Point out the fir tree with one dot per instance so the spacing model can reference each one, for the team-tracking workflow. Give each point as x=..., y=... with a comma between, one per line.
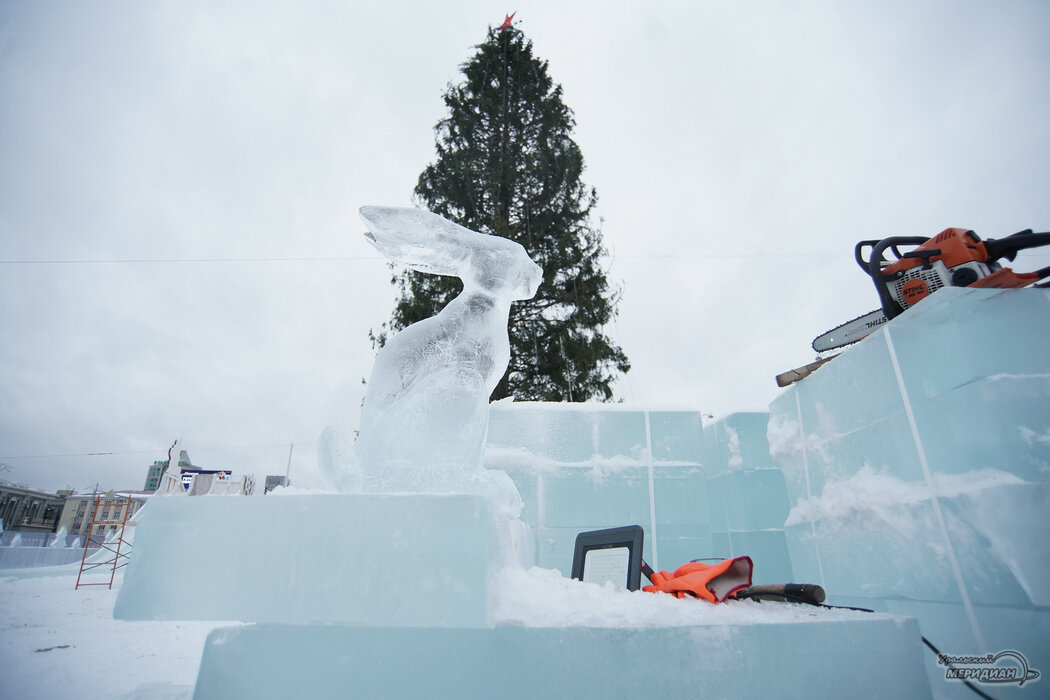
x=507, y=165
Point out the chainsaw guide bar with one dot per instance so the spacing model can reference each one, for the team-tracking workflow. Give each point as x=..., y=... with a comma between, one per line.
x=850, y=331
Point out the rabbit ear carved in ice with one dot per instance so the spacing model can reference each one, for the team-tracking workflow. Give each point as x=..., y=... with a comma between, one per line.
x=429, y=243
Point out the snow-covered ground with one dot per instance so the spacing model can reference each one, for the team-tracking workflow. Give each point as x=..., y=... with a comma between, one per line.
x=57, y=641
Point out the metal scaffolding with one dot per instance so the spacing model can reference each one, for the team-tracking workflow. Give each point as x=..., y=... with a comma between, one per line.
x=106, y=533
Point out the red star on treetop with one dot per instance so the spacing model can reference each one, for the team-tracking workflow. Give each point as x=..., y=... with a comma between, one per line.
x=507, y=24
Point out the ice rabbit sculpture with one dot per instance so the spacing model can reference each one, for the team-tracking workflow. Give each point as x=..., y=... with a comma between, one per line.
x=425, y=412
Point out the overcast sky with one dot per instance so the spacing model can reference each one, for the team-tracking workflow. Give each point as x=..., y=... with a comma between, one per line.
x=180, y=254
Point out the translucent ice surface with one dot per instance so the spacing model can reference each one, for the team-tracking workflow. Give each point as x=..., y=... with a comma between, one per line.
x=29, y=557
x=588, y=467
x=425, y=413
x=409, y=559
x=918, y=470
x=815, y=655
x=737, y=441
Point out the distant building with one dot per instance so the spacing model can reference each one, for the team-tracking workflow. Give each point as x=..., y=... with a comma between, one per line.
x=194, y=480
x=156, y=471
x=112, y=508
x=187, y=470
x=27, y=509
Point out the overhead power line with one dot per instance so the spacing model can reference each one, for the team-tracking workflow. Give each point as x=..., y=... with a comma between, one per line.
x=122, y=261
x=154, y=261
x=141, y=452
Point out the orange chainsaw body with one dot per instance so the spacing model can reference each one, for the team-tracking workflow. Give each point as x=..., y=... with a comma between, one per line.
x=955, y=257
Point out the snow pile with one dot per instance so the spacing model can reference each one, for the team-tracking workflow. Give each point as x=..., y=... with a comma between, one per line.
x=785, y=442
x=544, y=598
x=736, y=461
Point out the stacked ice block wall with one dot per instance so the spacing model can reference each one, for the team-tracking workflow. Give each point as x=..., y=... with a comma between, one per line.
x=588, y=467
x=917, y=465
x=746, y=495
x=698, y=491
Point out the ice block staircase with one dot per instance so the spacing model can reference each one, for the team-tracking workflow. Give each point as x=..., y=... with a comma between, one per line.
x=393, y=595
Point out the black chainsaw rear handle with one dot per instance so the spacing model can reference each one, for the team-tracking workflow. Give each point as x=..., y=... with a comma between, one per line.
x=875, y=260
x=1009, y=246
x=874, y=264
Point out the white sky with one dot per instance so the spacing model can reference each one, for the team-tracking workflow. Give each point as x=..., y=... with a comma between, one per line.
x=739, y=150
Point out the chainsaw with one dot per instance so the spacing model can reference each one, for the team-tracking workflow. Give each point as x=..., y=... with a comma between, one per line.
x=955, y=257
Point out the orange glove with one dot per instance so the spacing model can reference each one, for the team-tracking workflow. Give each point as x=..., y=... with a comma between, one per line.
x=713, y=582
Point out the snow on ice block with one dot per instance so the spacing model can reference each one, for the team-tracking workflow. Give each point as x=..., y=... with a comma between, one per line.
x=877, y=536
x=565, y=434
x=999, y=422
x=977, y=374
x=411, y=559
x=737, y=441
x=559, y=433
x=876, y=657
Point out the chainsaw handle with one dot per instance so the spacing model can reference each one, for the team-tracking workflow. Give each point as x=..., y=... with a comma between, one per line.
x=879, y=247
x=1009, y=246
x=873, y=266
x=858, y=254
